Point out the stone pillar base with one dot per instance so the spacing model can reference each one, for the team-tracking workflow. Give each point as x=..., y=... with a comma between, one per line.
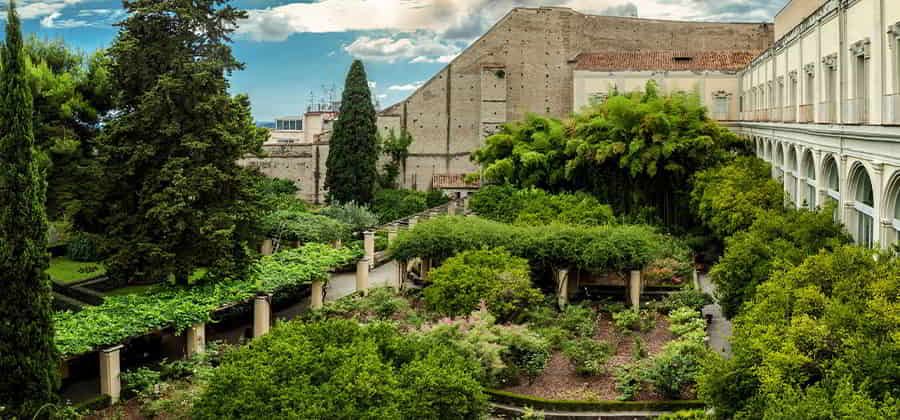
x=196, y=339
x=362, y=276
x=110, y=369
x=315, y=297
x=262, y=315
x=634, y=289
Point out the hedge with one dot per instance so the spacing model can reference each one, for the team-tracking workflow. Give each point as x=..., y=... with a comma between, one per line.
x=601, y=248
x=122, y=317
x=304, y=227
x=537, y=403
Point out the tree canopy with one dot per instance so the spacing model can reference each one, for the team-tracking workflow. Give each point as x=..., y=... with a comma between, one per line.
x=353, y=150
x=632, y=151
x=175, y=198
x=28, y=358
x=818, y=340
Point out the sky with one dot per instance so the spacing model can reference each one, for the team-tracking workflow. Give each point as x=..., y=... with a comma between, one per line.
x=298, y=49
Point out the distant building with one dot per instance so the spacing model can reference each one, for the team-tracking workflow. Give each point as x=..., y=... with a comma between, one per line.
x=823, y=106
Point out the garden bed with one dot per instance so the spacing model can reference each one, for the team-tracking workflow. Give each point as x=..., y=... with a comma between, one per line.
x=560, y=381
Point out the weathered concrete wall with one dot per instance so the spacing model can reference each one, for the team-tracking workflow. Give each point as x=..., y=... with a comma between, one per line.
x=523, y=65
x=297, y=163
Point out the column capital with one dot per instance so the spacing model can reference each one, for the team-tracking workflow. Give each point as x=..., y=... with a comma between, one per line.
x=112, y=349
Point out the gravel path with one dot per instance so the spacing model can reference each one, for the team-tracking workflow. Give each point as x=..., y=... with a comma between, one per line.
x=720, y=328
x=343, y=284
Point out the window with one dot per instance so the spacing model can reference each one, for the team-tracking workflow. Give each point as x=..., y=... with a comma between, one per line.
x=833, y=187
x=858, y=110
x=863, y=206
x=809, y=171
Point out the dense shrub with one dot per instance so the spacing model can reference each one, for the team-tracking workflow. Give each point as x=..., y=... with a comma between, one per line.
x=751, y=255
x=536, y=207
x=636, y=152
x=495, y=277
x=339, y=369
x=122, y=317
x=303, y=227
x=690, y=298
x=505, y=352
x=390, y=205
x=276, y=194
x=676, y=366
x=729, y=198
x=633, y=320
x=604, y=248
x=434, y=198
x=817, y=340
x=357, y=218
x=83, y=247
x=587, y=355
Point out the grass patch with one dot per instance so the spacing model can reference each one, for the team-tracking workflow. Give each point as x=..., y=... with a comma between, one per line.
x=66, y=271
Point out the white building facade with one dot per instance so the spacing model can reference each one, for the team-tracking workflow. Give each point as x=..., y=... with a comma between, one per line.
x=823, y=107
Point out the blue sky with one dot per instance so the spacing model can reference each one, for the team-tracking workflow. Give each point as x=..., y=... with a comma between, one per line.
x=293, y=48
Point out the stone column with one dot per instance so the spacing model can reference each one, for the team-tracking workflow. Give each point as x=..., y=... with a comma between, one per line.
x=634, y=289
x=110, y=368
x=392, y=233
x=562, y=288
x=267, y=247
x=362, y=276
x=413, y=221
x=369, y=246
x=402, y=271
x=196, y=339
x=425, y=266
x=451, y=208
x=262, y=315
x=696, y=280
x=317, y=291
x=337, y=244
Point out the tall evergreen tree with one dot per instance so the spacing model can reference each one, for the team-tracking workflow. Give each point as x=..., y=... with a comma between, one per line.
x=28, y=358
x=353, y=151
x=176, y=198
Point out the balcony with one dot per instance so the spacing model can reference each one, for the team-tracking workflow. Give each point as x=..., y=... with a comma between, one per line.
x=826, y=112
x=806, y=114
x=856, y=111
x=789, y=114
x=892, y=109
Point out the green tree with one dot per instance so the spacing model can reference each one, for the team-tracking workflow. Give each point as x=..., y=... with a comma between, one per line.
x=72, y=92
x=728, y=198
x=495, y=277
x=28, y=357
x=396, y=148
x=632, y=151
x=176, y=198
x=817, y=340
x=353, y=150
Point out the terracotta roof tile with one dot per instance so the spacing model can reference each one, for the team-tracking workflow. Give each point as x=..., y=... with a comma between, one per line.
x=444, y=181
x=665, y=60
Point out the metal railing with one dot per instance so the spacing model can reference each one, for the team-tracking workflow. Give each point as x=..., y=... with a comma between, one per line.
x=806, y=114
x=891, y=109
x=826, y=112
x=855, y=111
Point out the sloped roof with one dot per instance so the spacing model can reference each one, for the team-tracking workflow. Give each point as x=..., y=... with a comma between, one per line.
x=664, y=60
x=452, y=181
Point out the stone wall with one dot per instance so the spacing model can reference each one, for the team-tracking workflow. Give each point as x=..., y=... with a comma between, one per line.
x=524, y=65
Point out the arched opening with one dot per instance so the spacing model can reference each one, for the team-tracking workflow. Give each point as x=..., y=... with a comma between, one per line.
x=892, y=206
x=790, y=177
x=833, y=186
x=809, y=172
x=863, y=207
x=779, y=163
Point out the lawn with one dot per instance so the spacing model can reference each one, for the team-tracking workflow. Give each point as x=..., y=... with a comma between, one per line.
x=66, y=271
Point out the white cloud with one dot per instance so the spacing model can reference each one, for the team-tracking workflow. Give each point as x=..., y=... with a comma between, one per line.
x=390, y=49
x=440, y=59
x=407, y=87
x=53, y=21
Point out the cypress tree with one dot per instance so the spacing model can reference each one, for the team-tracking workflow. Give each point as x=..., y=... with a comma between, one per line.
x=28, y=357
x=353, y=150
x=176, y=199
